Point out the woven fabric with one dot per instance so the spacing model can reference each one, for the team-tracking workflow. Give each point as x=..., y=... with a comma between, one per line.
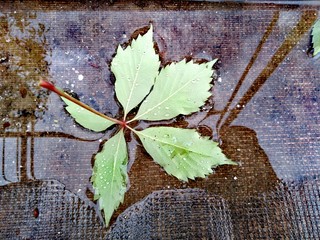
x=291, y=212
x=46, y=210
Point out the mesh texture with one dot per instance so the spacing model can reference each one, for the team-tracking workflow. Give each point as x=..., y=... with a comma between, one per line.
x=291, y=212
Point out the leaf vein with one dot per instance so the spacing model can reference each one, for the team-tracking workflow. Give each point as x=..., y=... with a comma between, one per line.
x=168, y=143
x=133, y=87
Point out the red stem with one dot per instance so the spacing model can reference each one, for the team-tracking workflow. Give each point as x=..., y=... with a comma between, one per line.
x=51, y=87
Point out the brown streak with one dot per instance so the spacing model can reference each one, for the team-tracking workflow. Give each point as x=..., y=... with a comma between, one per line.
x=250, y=64
x=45, y=134
x=305, y=23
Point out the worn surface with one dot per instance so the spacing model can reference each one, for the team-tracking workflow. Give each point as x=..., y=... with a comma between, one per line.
x=265, y=108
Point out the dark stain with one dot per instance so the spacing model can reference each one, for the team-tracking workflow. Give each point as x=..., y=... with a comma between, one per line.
x=241, y=144
x=73, y=32
x=36, y=213
x=23, y=92
x=6, y=125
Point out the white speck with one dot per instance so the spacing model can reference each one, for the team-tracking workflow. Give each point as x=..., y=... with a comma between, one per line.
x=235, y=178
x=80, y=77
x=100, y=140
x=219, y=79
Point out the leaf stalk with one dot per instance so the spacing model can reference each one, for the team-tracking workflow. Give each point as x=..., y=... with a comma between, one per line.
x=61, y=93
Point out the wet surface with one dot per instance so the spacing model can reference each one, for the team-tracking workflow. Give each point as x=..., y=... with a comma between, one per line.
x=264, y=108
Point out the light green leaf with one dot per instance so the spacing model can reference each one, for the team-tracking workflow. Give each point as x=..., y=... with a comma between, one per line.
x=86, y=118
x=135, y=69
x=316, y=38
x=180, y=88
x=183, y=153
x=110, y=176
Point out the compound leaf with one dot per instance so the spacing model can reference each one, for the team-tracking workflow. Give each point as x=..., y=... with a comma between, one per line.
x=182, y=153
x=86, y=118
x=180, y=88
x=316, y=38
x=110, y=176
x=135, y=69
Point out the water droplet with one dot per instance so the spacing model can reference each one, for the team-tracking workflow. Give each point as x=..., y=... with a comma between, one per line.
x=174, y=139
x=80, y=77
x=167, y=108
x=155, y=114
x=166, y=115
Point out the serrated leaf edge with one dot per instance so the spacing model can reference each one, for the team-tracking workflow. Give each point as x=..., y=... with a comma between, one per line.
x=209, y=64
x=98, y=194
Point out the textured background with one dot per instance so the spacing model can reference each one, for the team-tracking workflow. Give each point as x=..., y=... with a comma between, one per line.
x=264, y=110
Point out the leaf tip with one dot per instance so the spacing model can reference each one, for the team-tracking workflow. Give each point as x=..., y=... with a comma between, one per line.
x=230, y=162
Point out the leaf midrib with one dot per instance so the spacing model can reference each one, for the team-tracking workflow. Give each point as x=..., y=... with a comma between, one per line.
x=171, y=144
x=133, y=86
x=166, y=99
x=114, y=162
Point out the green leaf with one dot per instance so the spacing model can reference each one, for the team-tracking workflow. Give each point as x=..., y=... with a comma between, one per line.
x=183, y=153
x=135, y=69
x=316, y=38
x=110, y=176
x=86, y=118
x=180, y=88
